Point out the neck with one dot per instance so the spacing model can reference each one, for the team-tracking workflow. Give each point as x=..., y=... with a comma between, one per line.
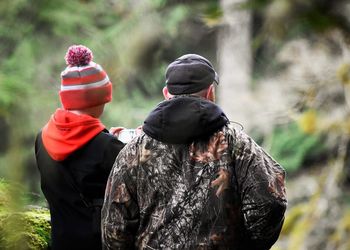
x=92, y=111
x=194, y=95
x=188, y=95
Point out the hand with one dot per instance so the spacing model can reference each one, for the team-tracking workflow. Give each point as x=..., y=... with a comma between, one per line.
x=138, y=130
x=115, y=130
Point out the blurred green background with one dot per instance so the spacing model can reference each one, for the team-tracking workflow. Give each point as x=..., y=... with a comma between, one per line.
x=284, y=67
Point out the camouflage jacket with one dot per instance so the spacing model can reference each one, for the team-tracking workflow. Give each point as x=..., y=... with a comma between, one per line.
x=219, y=192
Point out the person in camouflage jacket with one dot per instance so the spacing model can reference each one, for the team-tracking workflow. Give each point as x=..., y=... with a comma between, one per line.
x=191, y=180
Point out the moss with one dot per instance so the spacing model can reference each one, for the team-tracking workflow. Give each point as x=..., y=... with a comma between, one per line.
x=292, y=217
x=39, y=227
x=303, y=219
x=25, y=230
x=340, y=238
x=4, y=198
x=300, y=233
x=343, y=73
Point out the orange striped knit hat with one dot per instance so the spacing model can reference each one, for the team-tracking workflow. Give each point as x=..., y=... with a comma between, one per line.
x=84, y=84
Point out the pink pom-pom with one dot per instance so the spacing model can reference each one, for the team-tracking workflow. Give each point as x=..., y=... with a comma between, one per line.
x=78, y=55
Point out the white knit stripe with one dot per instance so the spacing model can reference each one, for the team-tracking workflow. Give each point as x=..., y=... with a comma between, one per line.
x=79, y=74
x=81, y=68
x=86, y=86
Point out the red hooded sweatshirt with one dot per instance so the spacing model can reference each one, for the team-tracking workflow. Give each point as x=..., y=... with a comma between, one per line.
x=66, y=132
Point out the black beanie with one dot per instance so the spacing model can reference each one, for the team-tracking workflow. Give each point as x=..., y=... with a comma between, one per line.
x=189, y=74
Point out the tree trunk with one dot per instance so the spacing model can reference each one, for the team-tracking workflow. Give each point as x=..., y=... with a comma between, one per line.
x=235, y=63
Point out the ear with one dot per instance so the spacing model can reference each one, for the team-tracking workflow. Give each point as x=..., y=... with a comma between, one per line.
x=211, y=93
x=166, y=93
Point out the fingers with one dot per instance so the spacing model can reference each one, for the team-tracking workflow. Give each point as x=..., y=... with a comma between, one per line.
x=219, y=191
x=218, y=181
x=222, y=182
x=115, y=130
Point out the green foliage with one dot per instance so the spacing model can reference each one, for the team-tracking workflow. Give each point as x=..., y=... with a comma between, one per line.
x=3, y=194
x=257, y=5
x=14, y=77
x=26, y=229
x=277, y=21
x=175, y=15
x=291, y=146
x=286, y=17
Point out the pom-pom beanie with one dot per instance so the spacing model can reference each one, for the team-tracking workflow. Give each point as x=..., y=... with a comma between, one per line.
x=84, y=83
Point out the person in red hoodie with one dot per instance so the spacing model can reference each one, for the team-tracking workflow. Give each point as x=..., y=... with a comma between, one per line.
x=75, y=153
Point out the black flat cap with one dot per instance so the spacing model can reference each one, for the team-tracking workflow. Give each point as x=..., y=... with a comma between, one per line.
x=189, y=74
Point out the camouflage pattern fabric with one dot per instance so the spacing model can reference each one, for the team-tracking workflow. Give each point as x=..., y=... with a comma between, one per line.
x=223, y=192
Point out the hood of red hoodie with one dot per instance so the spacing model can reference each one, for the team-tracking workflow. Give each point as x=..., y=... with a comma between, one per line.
x=66, y=132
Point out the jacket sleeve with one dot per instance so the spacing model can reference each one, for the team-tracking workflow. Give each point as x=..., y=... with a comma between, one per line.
x=120, y=213
x=261, y=183
x=111, y=151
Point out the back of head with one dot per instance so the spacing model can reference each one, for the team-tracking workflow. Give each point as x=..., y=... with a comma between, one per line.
x=189, y=74
x=84, y=83
x=187, y=118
